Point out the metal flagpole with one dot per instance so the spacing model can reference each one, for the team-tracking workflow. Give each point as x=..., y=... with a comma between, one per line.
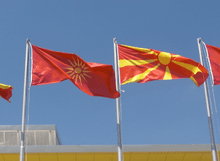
x=120, y=154
x=22, y=149
x=213, y=146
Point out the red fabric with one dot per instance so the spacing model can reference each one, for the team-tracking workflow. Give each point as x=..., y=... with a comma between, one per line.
x=6, y=93
x=92, y=78
x=214, y=57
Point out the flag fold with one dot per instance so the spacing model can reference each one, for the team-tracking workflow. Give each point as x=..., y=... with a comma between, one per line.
x=95, y=79
x=6, y=91
x=143, y=65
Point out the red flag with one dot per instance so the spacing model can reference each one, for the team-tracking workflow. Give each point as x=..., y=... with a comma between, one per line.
x=214, y=57
x=142, y=65
x=6, y=91
x=92, y=78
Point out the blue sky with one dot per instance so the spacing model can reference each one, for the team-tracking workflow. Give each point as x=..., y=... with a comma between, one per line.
x=157, y=112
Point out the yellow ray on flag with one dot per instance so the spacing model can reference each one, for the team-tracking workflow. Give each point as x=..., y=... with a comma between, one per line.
x=190, y=67
x=124, y=62
x=167, y=75
x=141, y=76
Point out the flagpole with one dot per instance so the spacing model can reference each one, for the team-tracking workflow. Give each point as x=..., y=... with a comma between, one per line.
x=120, y=153
x=213, y=146
x=22, y=149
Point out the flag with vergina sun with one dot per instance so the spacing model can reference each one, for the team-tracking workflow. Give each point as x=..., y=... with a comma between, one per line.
x=95, y=79
x=143, y=65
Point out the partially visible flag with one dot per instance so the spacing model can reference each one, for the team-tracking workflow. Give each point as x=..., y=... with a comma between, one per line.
x=92, y=78
x=6, y=91
x=143, y=65
x=214, y=57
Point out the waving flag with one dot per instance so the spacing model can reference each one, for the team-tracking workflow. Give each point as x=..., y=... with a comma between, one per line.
x=6, y=91
x=92, y=78
x=214, y=57
x=143, y=65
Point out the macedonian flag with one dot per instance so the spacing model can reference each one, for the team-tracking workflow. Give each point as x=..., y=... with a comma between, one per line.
x=143, y=65
x=5, y=91
x=92, y=78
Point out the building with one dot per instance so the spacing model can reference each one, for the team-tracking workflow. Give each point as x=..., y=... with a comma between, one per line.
x=43, y=144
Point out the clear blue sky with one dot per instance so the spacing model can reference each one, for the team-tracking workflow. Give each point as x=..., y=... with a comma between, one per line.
x=158, y=112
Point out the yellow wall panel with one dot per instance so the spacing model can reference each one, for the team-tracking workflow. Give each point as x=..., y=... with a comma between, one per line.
x=32, y=157
x=174, y=156
x=126, y=156
x=1, y=157
x=85, y=156
x=192, y=156
x=11, y=157
x=48, y=157
x=139, y=156
x=111, y=156
x=157, y=156
x=66, y=157
x=103, y=156
x=115, y=157
x=206, y=156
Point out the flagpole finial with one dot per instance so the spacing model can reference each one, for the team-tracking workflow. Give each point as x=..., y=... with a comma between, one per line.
x=199, y=40
x=115, y=40
x=28, y=40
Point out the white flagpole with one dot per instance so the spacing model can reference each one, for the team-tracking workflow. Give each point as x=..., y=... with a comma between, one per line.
x=120, y=153
x=213, y=146
x=22, y=149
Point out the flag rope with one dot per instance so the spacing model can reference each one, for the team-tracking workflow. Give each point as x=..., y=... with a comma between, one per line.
x=208, y=64
x=28, y=118
x=216, y=112
x=210, y=71
x=208, y=61
x=211, y=85
x=209, y=114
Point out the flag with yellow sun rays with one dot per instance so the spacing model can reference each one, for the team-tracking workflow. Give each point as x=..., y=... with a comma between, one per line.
x=143, y=65
x=6, y=91
x=92, y=78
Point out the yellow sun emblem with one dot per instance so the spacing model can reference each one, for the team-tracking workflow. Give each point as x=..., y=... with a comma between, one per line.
x=78, y=70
